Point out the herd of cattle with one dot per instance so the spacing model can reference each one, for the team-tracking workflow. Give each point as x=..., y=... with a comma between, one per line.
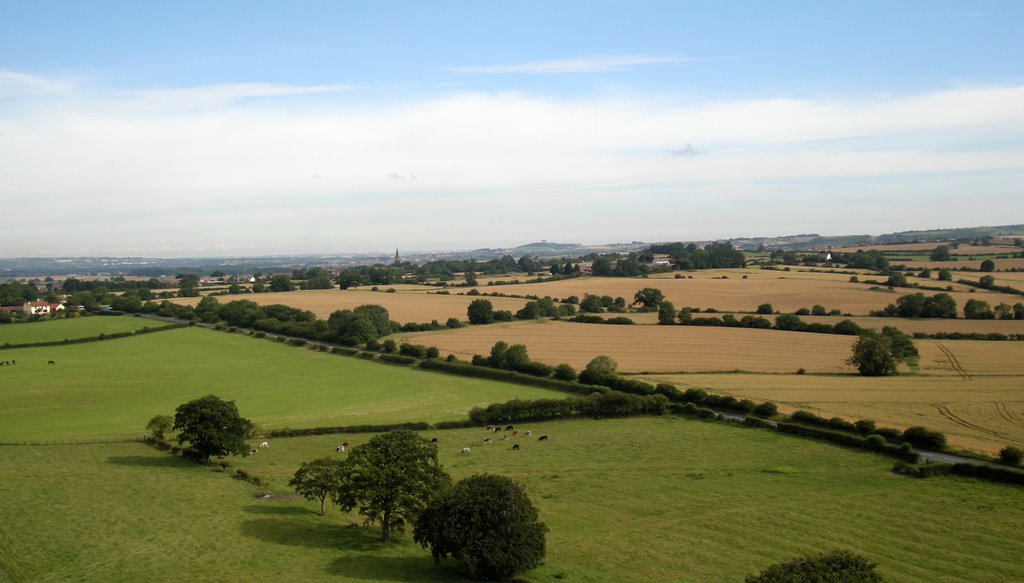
x=13, y=362
x=343, y=447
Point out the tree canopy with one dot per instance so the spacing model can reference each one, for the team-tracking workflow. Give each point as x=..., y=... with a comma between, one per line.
x=832, y=567
x=318, y=479
x=480, y=312
x=488, y=522
x=390, y=479
x=873, y=356
x=212, y=426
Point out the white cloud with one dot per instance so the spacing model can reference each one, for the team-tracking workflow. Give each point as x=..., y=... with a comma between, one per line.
x=595, y=64
x=200, y=167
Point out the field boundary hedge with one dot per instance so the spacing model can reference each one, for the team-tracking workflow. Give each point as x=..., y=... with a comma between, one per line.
x=983, y=472
x=101, y=337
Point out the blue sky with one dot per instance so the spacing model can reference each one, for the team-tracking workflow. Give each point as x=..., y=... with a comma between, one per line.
x=203, y=128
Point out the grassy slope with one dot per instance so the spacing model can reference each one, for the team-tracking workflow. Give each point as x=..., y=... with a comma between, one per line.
x=57, y=330
x=116, y=386
x=626, y=500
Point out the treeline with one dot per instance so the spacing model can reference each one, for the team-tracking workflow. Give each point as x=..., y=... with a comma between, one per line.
x=690, y=256
x=15, y=293
x=943, y=305
x=596, y=406
x=114, y=284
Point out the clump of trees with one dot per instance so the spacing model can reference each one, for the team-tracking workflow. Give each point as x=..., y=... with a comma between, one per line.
x=690, y=256
x=918, y=305
x=877, y=354
x=488, y=522
x=514, y=357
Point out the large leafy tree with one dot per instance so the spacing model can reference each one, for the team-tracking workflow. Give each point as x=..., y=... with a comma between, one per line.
x=318, y=479
x=648, y=298
x=872, y=355
x=480, y=312
x=390, y=479
x=212, y=426
x=488, y=522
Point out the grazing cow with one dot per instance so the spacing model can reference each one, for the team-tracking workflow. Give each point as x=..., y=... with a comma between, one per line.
x=340, y=449
x=509, y=428
x=465, y=451
x=528, y=433
x=264, y=445
x=490, y=428
x=515, y=447
x=434, y=440
x=252, y=451
x=51, y=362
x=497, y=429
x=344, y=444
x=542, y=438
x=515, y=433
x=487, y=441
x=505, y=437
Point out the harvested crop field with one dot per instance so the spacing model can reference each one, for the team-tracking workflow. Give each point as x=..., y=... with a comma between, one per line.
x=969, y=358
x=403, y=307
x=736, y=294
x=984, y=414
x=1014, y=263
x=652, y=348
x=907, y=325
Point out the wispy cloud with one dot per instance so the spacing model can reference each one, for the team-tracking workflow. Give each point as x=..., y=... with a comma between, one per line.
x=123, y=165
x=594, y=64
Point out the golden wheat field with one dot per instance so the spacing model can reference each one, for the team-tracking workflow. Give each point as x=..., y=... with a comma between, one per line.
x=652, y=348
x=907, y=325
x=1014, y=263
x=924, y=247
x=971, y=358
x=898, y=247
x=737, y=294
x=403, y=307
x=983, y=414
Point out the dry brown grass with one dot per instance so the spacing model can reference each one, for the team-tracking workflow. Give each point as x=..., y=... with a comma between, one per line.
x=652, y=348
x=403, y=306
x=983, y=414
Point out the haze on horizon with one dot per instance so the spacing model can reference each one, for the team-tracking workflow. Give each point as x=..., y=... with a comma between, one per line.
x=197, y=129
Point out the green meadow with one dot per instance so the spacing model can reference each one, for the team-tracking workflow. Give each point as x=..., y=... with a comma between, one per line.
x=116, y=386
x=642, y=499
x=71, y=328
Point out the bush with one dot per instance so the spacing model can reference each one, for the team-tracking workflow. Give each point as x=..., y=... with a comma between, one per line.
x=874, y=442
x=766, y=410
x=1011, y=455
x=433, y=352
x=924, y=438
x=765, y=309
x=390, y=345
x=413, y=350
x=834, y=566
x=453, y=323
x=564, y=372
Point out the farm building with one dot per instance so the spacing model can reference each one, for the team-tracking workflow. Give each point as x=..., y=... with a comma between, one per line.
x=41, y=307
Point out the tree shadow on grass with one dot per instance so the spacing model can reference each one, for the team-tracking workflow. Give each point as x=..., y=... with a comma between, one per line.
x=389, y=568
x=315, y=533
x=290, y=510
x=163, y=461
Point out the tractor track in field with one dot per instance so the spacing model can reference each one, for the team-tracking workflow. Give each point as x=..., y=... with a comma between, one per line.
x=945, y=412
x=1007, y=415
x=954, y=362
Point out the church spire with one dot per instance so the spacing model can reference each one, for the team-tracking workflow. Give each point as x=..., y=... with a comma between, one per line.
x=398, y=260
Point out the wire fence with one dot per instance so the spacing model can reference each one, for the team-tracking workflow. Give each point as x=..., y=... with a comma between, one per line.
x=116, y=438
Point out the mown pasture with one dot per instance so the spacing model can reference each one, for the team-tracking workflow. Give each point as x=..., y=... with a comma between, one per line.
x=116, y=386
x=402, y=306
x=71, y=328
x=983, y=413
x=626, y=500
x=652, y=348
x=785, y=294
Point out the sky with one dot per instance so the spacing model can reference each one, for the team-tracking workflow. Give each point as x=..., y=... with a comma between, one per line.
x=186, y=128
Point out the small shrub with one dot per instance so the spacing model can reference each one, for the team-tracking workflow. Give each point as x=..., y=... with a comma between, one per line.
x=1011, y=455
x=766, y=410
x=801, y=371
x=924, y=438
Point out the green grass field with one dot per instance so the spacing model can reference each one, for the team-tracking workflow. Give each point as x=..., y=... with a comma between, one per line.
x=57, y=330
x=116, y=386
x=639, y=499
